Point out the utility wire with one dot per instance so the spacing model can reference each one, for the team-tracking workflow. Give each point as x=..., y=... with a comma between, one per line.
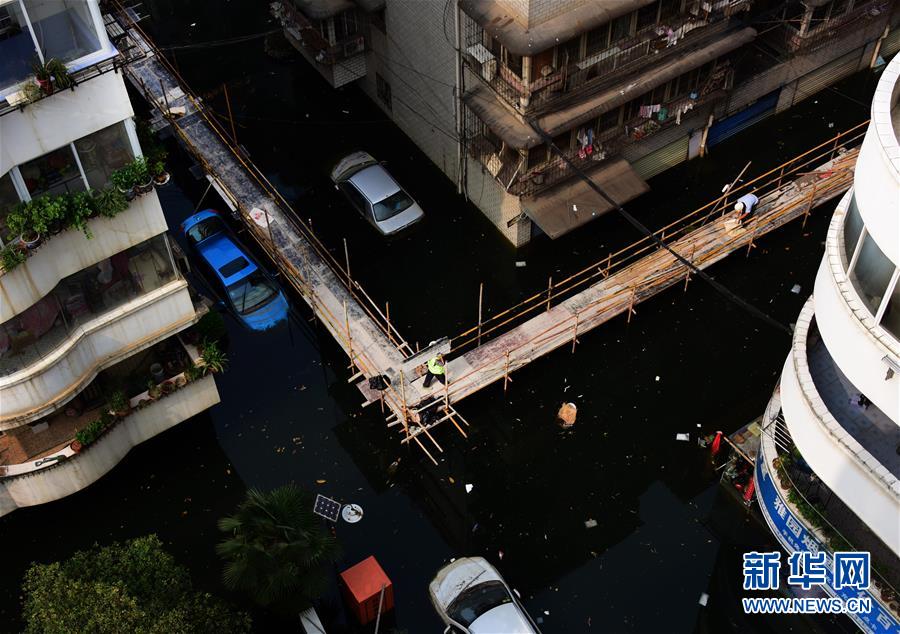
x=753, y=310
x=214, y=43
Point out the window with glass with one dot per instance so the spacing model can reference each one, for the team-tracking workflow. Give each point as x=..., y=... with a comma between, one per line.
x=9, y=198
x=61, y=29
x=81, y=297
x=646, y=16
x=853, y=226
x=103, y=152
x=597, y=40
x=621, y=28
x=53, y=173
x=345, y=25
x=870, y=274
x=890, y=320
x=570, y=52
x=64, y=29
x=16, y=45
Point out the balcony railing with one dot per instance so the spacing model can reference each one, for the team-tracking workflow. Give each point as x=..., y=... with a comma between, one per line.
x=322, y=50
x=818, y=36
x=570, y=82
x=606, y=145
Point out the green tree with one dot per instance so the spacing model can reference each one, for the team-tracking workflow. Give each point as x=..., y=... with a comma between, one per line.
x=277, y=550
x=134, y=587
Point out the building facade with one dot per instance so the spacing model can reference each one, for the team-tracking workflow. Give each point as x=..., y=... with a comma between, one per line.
x=828, y=468
x=626, y=88
x=91, y=299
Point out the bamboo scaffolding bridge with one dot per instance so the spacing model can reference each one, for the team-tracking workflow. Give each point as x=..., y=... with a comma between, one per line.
x=494, y=348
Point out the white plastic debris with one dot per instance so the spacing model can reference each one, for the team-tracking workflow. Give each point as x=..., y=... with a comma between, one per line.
x=575, y=209
x=469, y=488
x=590, y=523
x=684, y=437
x=547, y=612
x=520, y=264
x=657, y=378
x=704, y=598
x=795, y=289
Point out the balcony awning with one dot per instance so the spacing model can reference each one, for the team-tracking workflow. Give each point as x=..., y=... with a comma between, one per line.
x=565, y=207
x=635, y=86
x=528, y=39
x=484, y=102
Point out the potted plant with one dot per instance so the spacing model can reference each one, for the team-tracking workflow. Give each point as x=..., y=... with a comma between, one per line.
x=123, y=179
x=51, y=72
x=50, y=213
x=158, y=169
x=212, y=359
x=43, y=77
x=167, y=387
x=118, y=405
x=12, y=256
x=75, y=445
x=109, y=202
x=142, y=177
x=80, y=206
x=153, y=390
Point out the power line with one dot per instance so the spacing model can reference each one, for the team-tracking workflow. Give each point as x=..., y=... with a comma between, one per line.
x=215, y=43
x=720, y=288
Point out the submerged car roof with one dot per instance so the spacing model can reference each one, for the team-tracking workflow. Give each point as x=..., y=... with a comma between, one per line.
x=223, y=255
x=375, y=182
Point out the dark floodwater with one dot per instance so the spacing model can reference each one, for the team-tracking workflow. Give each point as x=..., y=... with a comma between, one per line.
x=665, y=532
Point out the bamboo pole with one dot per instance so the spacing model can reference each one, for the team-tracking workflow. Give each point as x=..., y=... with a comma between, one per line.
x=349, y=334
x=575, y=333
x=347, y=260
x=404, y=412
x=631, y=310
x=809, y=206
x=549, y=292
x=480, y=298
x=230, y=116
x=506, y=372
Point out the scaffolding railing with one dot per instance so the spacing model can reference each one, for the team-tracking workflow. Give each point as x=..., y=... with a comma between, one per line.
x=618, y=260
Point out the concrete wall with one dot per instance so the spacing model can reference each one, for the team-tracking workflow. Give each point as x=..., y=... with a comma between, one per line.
x=62, y=118
x=71, y=251
x=533, y=12
x=94, y=461
x=52, y=381
x=854, y=475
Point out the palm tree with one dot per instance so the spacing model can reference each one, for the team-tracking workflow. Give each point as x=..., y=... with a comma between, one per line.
x=276, y=549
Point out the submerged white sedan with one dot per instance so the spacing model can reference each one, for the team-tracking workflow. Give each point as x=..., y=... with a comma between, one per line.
x=375, y=194
x=471, y=598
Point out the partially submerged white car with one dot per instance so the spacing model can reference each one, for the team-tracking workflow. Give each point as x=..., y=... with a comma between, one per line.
x=375, y=193
x=471, y=598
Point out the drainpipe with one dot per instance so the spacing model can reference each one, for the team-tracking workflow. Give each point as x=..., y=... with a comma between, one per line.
x=459, y=115
x=878, y=42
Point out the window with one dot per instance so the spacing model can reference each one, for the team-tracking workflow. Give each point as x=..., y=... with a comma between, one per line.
x=646, y=16
x=53, y=173
x=597, y=40
x=570, y=52
x=890, y=320
x=608, y=120
x=871, y=273
x=345, y=25
x=16, y=46
x=537, y=156
x=64, y=29
x=514, y=63
x=8, y=199
x=356, y=197
x=621, y=28
x=853, y=225
x=377, y=20
x=81, y=297
x=668, y=9
x=384, y=91
x=392, y=205
x=563, y=142
x=251, y=293
x=103, y=152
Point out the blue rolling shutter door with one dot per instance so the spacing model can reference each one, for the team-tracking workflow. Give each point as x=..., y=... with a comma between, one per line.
x=727, y=128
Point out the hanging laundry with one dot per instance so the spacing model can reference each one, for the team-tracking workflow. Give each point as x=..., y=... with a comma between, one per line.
x=644, y=112
x=663, y=114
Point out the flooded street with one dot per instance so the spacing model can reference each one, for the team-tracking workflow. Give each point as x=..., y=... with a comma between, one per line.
x=665, y=532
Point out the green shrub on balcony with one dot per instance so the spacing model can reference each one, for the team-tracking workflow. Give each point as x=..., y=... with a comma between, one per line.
x=94, y=429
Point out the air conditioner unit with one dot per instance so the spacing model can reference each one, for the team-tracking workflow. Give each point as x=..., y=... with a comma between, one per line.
x=485, y=59
x=354, y=46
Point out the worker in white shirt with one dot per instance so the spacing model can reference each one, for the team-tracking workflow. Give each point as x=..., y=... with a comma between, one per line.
x=745, y=206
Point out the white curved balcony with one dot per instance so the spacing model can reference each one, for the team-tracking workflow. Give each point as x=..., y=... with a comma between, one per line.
x=71, y=251
x=856, y=342
x=77, y=471
x=877, y=175
x=52, y=380
x=834, y=449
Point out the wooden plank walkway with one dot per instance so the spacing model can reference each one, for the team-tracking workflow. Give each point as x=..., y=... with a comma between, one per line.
x=376, y=348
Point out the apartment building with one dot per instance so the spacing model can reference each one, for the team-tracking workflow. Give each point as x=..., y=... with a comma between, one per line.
x=626, y=88
x=91, y=301
x=828, y=467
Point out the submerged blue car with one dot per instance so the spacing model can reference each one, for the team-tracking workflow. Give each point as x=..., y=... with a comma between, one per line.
x=256, y=300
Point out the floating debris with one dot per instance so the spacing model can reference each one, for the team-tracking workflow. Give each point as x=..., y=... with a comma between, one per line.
x=469, y=488
x=795, y=289
x=704, y=598
x=520, y=264
x=590, y=523
x=683, y=437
